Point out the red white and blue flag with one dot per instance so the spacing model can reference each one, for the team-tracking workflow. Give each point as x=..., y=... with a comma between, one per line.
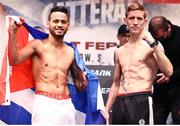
x=89, y=103
x=4, y=65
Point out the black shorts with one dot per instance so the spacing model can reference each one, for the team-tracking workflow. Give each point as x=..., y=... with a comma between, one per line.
x=133, y=108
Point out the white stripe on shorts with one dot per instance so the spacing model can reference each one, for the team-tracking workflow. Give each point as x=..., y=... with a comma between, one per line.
x=151, y=117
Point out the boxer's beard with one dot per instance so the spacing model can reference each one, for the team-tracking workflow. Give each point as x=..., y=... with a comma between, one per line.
x=57, y=36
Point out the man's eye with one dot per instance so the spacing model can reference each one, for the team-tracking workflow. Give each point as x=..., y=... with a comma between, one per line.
x=139, y=19
x=56, y=21
x=131, y=18
x=63, y=21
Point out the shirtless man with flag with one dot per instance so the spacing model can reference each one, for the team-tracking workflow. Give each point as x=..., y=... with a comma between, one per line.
x=52, y=60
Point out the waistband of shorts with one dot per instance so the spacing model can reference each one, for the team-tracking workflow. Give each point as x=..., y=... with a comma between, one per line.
x=52, y=95
x=134, y=93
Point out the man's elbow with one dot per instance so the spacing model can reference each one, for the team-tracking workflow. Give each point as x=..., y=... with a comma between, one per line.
x=12, y=62
x=169, y=72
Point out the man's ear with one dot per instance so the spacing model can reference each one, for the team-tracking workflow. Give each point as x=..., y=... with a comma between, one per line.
x=118, y=36
x=125, y=21
x=68, y=25
x=146, y=21
x=47, y=24
x=169, y=27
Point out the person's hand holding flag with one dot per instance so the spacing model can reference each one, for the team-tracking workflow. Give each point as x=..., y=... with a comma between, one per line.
x=15, y=23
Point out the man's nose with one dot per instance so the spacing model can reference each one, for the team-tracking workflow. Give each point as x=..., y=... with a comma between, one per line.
x=59, y=24
x=135, y=21
x=127, y=38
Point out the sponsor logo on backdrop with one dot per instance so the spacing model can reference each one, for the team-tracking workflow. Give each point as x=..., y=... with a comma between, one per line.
x=105, y=74
x=91, y=52
x=89, y=12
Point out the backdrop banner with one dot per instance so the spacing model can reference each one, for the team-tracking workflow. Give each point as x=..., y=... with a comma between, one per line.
x=94, y=25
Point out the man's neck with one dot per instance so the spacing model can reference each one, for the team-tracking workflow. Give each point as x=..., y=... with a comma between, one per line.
x=55, y=41
x=136, y=37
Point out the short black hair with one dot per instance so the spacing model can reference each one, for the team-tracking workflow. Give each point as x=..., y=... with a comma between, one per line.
x=123, y=29
x=62, y=9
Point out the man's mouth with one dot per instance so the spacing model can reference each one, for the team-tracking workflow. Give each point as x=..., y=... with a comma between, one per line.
x=59, y=30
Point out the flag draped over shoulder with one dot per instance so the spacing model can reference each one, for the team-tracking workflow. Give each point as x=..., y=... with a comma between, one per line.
x=4, y=65
x=89, y=103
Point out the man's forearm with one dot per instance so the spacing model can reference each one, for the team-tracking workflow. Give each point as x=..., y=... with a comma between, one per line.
x=163, y=62
x=110, y=101
x=12, y=47
x=111, y=98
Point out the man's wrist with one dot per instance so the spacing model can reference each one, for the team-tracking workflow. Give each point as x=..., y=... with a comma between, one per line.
x=155, y=43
